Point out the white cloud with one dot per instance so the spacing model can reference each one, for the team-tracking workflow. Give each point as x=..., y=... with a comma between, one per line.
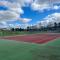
x=25, y=20
x=55, y=1
x=41, y=5
x=7, y=15
x=14, y=25
x=55, y=17
x=13, y=12
x=3, y=24
x=56, y=7
x=28, y=1
x=14, y=9
x=19, y=25
x=50, y=19
x=47, y=1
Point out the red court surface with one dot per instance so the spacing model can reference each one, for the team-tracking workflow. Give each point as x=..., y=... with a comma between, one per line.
x=34, y=38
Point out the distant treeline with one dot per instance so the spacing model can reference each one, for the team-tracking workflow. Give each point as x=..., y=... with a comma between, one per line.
x=55, y=27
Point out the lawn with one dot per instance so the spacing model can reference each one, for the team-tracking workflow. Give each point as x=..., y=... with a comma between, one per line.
x=14, y=50
x=12, y=33
x=9, y=33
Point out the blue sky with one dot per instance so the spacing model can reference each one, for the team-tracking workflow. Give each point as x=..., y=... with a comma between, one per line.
x=35, y=15
x=30, y=13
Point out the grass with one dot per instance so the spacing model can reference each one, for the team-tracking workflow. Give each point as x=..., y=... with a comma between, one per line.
x=13, y=50
x=11, y=33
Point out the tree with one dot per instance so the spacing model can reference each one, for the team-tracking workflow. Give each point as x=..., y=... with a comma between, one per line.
x=59, y=25
x=28, y=28
x=12, y=29
x=55, y=26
